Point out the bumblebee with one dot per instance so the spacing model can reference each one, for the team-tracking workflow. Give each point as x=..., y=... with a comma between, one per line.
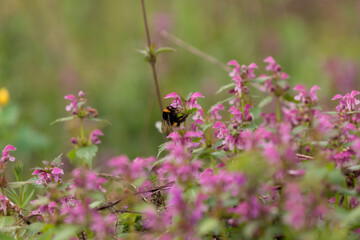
x=172, y=117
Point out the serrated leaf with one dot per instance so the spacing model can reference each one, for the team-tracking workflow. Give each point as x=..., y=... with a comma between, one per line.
x=161, y=149
x=64, y=119
x=217, y=144
x=203, y=127
x=87, y=153
x=164, y=50
x=225, y=87
x=265, y=101
x=71, y=155
x=209, y=225
x=161, y=160
x=187, y=112
x=100, y=120
x=57, y=160
x=299, y=129
x=219, y=154
x=255, y=112
x=290, y=98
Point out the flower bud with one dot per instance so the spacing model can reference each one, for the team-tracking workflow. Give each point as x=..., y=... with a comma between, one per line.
x=74, y=141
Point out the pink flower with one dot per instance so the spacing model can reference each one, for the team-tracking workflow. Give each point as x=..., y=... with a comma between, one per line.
x=103, y=226
x=271, y=64
x=176, y=103
x=237, y=115
x=295, y=205
x=119, y=164
x=246, y=71
x=87, y=179
x=348, y=102
x=6, y=155
x=275, y=68
x=57, y=174
x=302, y=96
x=94, y=136
x=220, y=129
x=44, y=177
x=73, y=104
x=215, y=111
x=76, y=214
x=192, y=103
x=4, y=201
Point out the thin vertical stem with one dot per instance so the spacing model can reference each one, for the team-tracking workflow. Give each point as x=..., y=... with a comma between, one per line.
x=81, y=129
x=278, y=109
x=152, y=59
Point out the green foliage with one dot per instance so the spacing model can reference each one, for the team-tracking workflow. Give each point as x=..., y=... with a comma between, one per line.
x=87, y=154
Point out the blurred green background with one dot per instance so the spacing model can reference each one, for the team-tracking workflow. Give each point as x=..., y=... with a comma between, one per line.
x=51, y=48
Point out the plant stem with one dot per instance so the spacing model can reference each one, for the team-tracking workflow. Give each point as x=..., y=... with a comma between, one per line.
x=152, y=59
x=81, y=129
x=278, y=109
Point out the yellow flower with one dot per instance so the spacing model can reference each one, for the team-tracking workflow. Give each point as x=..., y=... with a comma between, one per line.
x=4, y=96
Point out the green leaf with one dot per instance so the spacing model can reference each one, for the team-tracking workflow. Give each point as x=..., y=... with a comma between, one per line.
x=255, y=112
x=161, y=160
x=289, y=98
x=64, y=119
x=203, y=127
x=33, y=230
x=265, y=101
x=161, y=149
x=47, y=235
x=87, y=153
x=18, y=184
x=209, y=225
x=6, y=221
x=299, y=129
x=71, y=155
x=28, y=198
x=100, y=120
x=5, y=237
x=217, y=144
x=18, y=171
x=57, y=160
x=225, y=87
x=219, y=154
x=331, y=113
x=187, y=112
x=65, y=232
x=164, y=50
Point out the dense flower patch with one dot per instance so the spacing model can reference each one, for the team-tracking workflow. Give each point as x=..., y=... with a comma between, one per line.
x=236, y=171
